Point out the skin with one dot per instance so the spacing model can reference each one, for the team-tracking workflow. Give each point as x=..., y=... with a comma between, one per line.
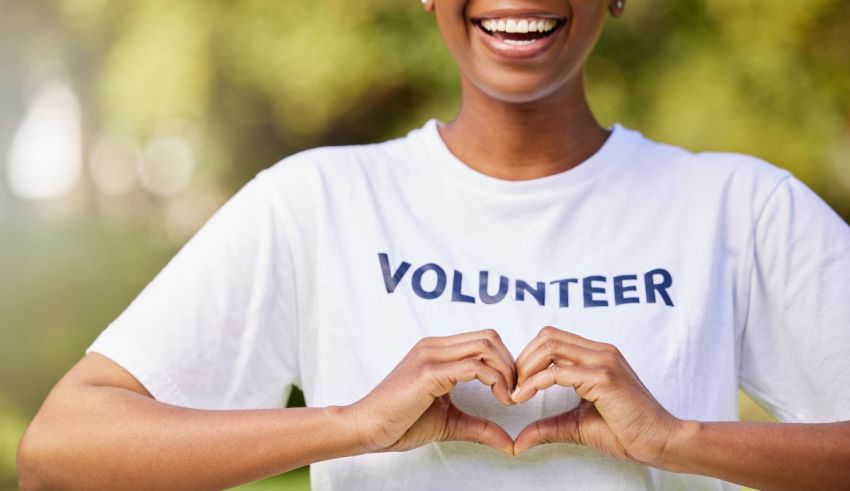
x=99, y=428
x=523, y=119
x=619, y=417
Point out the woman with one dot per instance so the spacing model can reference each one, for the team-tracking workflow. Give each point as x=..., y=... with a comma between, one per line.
x=519, y=277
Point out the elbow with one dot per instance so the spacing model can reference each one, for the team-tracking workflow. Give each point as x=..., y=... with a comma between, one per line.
x=31, y=461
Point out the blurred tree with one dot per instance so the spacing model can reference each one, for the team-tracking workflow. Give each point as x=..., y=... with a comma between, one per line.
x=766, y=78
x=245, y=83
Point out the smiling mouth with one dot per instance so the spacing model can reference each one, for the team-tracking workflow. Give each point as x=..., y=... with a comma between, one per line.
x=519, y=31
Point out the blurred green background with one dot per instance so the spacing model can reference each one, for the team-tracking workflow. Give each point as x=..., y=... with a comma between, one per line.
x=124, y=125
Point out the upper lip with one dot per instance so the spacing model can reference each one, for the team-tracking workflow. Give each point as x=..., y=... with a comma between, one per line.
x=517, y=12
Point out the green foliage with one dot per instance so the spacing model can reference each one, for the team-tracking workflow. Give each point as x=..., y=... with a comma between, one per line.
x=766, y=78
x=255, y=80
x=297, y=480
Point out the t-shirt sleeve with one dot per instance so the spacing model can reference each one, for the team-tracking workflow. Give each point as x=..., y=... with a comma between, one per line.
x=216, y=327
x=795, y=352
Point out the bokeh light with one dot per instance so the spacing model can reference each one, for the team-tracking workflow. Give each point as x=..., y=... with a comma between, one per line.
x=125, y=125
x=45, y=159
x=167, y=165
x=114, y=163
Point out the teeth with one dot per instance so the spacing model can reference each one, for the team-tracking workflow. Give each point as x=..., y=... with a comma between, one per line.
x=522, y=26
x=519, y=25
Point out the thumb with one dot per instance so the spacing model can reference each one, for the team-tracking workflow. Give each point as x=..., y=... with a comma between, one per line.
x=562, y=428
x=461, y=426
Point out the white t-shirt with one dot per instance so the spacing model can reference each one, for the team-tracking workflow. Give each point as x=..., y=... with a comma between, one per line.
x=709, y=271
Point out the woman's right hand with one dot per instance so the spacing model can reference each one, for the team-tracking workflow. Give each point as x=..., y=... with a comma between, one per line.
x=411, y=406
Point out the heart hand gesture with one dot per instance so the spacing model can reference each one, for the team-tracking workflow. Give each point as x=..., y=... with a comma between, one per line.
x=617, y=415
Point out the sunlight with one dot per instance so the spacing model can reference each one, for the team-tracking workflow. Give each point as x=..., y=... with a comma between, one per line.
x=44, y=160
x=167, y=166
x=114, y=163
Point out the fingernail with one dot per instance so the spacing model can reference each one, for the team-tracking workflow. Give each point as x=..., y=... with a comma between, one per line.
x=516, y=392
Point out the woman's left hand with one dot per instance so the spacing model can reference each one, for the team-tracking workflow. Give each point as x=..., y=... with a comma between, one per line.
x=617, y=414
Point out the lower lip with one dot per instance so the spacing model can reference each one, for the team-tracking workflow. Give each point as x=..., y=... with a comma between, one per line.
x=518, y=51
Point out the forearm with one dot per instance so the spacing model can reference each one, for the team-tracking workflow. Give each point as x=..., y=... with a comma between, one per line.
x=112, y=438
x=765, y=456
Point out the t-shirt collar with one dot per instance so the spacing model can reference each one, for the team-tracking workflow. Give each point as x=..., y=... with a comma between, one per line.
x=614, y=152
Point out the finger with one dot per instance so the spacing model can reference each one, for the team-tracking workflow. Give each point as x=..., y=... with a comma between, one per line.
x=574, y=338
x=542, y=336
x=460, y=337
x=556, y=351
x=551, y=332
x=465, y=427
x=580, y=377
x=491, y=334
x=482, y=348
x=500, y=347
x=471, y=369
x=562, y=428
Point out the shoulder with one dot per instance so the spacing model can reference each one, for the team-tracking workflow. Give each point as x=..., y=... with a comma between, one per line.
x=733, y=175
x=318, y=180
x=328, y=164
x=722, y=164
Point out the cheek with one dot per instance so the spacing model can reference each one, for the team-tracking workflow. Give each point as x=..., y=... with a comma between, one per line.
x=590, y=20
x=452, y=21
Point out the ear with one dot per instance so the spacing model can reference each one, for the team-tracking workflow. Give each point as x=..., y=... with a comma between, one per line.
x=428, y=5
x=616, y=7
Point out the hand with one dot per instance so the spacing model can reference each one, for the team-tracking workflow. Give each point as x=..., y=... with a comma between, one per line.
x=411, y=406
x=617, y=415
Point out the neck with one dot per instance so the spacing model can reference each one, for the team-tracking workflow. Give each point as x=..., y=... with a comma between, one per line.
x=519, y=141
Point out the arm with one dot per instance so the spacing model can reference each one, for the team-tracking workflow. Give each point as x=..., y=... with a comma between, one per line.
x=619, y=417
x=100, y=429
x=764, y=455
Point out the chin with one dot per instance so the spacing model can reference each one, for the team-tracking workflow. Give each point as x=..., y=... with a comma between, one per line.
x=519, y=88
